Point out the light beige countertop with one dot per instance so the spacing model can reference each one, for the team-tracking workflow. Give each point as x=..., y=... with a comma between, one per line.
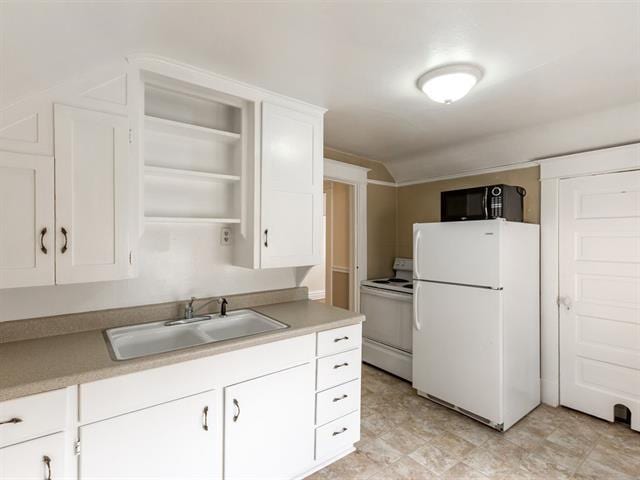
x=41, y=364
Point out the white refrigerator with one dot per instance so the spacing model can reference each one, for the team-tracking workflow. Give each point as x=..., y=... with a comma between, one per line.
x=476, y=339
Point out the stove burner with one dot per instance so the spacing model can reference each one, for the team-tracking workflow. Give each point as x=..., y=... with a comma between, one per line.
x=395, y=280
x=408, y=285
x=381, y=281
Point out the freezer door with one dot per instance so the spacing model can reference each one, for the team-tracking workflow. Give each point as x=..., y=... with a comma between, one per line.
x=458, y=252
x=457, y=346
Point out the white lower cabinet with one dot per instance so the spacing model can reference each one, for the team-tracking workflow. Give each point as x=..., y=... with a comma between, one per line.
x=39, y=459
x=175, y=440
x=269, y=426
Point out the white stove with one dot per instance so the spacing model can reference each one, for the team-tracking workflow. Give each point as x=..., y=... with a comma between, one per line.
x=387, y=332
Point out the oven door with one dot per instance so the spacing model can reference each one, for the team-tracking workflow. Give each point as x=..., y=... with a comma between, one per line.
x=389, y=317
x=467, y=204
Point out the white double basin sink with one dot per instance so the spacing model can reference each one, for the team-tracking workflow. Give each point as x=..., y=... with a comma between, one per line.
x=158, y=337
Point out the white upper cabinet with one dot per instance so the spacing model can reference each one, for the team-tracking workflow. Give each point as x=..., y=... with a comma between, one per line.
x=26, y=220
x=291, y=210
x=92, y=193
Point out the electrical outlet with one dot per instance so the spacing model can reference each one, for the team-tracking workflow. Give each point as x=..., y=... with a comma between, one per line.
x=225, y=236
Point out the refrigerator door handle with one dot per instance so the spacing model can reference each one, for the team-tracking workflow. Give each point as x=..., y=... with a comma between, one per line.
x=416, y=322
x=416, y=252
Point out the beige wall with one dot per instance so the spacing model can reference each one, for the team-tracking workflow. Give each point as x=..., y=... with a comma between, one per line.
x=377, y=170
x=338, y=242
x=381, y=230
x=381, y=214
x=421, y=202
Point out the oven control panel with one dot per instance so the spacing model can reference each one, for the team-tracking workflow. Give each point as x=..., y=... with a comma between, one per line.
x=405, y=264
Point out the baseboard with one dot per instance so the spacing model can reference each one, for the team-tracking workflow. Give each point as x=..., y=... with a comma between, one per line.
x=317, y=295
x=326, y=463
x=549, y=393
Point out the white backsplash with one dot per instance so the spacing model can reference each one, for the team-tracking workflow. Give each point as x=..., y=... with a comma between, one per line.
x=175, y=262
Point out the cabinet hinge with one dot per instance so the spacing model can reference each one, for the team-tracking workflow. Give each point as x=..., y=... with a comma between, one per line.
x=76, y=447
x=130, y=136
x=130, y=257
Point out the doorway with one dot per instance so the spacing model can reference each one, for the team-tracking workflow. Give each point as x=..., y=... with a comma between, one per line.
x=339, y=244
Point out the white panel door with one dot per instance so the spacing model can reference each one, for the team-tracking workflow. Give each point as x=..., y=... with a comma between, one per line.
x=268, y=426
x=457, y=346
x=600, y=294
x=40, y=459
x=26, y=220
x=458, y=252
x=175, y=440
x=291, y=187
x=92, y=192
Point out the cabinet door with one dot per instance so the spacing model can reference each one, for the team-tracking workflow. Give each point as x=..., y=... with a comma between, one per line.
x=40, y=459
x=26, y=220
x=92, y=192
x=291, y=187
x=175, y=440
x=269, y=426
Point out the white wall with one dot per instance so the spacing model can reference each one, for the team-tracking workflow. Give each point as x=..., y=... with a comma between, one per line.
x=176, y=262
x=605, y=128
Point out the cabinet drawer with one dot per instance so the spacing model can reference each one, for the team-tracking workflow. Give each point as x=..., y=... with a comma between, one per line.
x=337, y=436
x=339, y=340
x=337, y=369
x=33, y=416
x=337, y=402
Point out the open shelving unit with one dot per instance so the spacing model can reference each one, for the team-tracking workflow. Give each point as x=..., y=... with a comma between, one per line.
x=193, y=153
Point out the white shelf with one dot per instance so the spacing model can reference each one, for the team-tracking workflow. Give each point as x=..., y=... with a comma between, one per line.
x=190, y=220
x=171, y=127
x=189, y=174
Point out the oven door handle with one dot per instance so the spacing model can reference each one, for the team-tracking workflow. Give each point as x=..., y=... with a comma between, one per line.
x=403, y=297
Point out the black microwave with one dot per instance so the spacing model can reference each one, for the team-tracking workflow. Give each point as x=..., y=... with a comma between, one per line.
x=483, y=203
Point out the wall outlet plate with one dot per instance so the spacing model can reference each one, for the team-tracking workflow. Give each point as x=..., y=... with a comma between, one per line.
x=225, y=236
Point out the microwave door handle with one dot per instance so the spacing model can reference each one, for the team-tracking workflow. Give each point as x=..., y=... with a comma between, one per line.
x=484, y=203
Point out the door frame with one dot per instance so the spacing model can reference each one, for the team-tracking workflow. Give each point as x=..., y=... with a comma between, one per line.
x=355, y=176
x=552, y=171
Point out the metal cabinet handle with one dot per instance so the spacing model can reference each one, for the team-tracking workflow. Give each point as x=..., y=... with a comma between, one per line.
x=266, y=237
x=47, y=464
x=344, y=429
x=336, y=340
x=341, y=365
x=11, y=420
x=237, y=414
x=43, y=232
x=205, y=419
x=337, y=399
x=66, y=239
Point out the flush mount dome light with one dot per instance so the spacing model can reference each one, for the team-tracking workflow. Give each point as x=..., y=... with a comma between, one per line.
x=450, y=83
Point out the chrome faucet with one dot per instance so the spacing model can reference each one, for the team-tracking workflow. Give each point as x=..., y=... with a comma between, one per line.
x=189, y=310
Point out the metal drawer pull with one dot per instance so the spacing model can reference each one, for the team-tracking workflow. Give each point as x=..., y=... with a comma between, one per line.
x=11, y=420
x=344, y=429
x=47, y=464
x=43, y=232
x=66, y=239
x=345, y=364
x=205, y=419
x=237, y=414
x=337, y=399
x=336, y=340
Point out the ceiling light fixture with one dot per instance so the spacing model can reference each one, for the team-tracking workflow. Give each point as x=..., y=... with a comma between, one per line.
x=449, y=83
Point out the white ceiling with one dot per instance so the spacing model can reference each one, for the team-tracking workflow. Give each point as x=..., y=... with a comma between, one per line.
x=543, y=61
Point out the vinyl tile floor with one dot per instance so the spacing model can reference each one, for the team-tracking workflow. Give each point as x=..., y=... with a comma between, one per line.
x=407, y=437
